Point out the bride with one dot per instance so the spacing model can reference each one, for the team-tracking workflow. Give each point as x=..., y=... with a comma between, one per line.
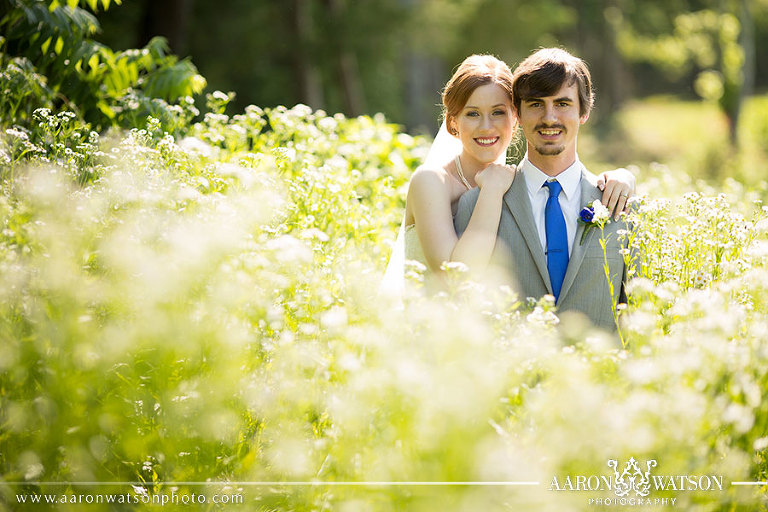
x=469, y=152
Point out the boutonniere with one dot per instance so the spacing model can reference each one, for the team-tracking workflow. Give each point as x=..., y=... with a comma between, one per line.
x=594, y=214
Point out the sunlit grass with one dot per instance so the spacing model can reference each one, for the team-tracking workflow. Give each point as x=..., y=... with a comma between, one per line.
x=668, y=130
x=690, y=137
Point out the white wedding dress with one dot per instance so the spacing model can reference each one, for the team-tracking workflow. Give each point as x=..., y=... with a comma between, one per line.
x=412, y=248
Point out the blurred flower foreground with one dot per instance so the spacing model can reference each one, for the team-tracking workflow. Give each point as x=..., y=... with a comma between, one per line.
x=179, y=311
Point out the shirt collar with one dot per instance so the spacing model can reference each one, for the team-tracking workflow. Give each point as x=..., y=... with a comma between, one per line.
x=534, y=178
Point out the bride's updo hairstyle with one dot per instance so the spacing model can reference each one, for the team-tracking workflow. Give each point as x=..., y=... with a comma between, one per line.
x=476, y=70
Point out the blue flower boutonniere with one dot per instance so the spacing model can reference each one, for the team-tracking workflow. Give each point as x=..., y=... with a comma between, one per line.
x=594, y=214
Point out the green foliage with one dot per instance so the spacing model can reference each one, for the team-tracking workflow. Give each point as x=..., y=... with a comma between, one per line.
x=56, y=139
x=707, y=41
x=702, y=39
x=93, y=4
x=22, y=89
x=85, y=76
x=205, y=308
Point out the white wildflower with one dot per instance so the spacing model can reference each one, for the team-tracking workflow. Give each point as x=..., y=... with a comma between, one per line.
x=601, y=212
x=702, y=279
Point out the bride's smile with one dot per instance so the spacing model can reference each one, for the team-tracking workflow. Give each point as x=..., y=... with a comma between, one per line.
x=486, y=142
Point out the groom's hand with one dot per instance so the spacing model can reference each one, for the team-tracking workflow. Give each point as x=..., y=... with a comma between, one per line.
x=496, y=177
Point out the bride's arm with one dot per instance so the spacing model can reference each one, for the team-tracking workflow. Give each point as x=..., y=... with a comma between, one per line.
x=476, y=244
x=430, y=204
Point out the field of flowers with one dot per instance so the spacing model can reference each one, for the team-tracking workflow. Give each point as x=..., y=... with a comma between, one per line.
x=179, y=310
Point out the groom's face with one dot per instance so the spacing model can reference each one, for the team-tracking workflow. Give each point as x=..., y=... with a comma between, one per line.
x=551, y=123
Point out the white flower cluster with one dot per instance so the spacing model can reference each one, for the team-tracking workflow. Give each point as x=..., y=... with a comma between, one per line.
x=601, y=212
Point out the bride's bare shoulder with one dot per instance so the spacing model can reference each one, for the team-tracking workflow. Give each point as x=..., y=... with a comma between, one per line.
x=427, y=185
x=430, y=187
x=429, y=176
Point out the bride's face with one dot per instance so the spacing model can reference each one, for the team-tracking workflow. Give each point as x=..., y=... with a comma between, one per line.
x=485, y=125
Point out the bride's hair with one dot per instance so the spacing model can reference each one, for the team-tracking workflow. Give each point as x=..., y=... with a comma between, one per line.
x=476, y=70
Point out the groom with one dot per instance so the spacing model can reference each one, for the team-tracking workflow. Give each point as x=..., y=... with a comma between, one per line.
x=540, y=234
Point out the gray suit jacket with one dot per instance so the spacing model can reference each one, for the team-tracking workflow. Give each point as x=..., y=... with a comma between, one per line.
x=585, y=288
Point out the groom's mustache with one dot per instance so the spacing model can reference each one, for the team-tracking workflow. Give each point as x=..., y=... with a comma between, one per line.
x=549, y=127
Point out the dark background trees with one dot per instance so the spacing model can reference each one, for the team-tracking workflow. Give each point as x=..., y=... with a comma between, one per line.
x=393, y=56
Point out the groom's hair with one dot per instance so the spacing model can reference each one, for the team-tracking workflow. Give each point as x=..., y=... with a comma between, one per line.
x=545, y=71
x=475, y=71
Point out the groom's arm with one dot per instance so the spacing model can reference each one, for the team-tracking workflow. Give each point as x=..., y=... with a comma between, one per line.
x=466, y=206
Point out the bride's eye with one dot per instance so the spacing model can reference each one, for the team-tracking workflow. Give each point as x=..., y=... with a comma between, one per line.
x=499, y=112
x=472, y=113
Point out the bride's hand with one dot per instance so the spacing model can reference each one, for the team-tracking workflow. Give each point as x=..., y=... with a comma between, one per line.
x=496, y=177
x=618, y=186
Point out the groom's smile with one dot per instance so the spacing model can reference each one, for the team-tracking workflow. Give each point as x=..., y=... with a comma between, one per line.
x=550, y=133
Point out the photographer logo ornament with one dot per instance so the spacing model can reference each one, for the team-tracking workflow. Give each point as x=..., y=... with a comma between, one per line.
x=632, y=479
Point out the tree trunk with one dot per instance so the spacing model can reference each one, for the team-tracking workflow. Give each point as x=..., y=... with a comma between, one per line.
x=747, y=40
x=167, y=18
x=595, y=37
x=618, y=78
x=345, y=60
x=424, y=76
x=305, y=68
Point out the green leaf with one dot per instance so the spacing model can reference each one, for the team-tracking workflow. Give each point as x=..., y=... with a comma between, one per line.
x=59, y=46
x=45, y=45
x=106, y=110
x=198, y=83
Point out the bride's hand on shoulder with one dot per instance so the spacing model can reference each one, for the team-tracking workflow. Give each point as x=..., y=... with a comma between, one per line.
x=496, y=177
x=618, y=186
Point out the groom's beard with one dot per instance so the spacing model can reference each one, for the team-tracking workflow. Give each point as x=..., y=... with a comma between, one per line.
x=549, y=149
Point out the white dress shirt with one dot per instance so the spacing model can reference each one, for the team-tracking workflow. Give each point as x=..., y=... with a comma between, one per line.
x=570, y=197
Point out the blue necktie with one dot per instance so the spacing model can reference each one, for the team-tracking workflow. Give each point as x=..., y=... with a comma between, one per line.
x=557, y=238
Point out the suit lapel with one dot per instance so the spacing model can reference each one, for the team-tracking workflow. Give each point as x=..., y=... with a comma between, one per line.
x=589, y=193
x=519, y=205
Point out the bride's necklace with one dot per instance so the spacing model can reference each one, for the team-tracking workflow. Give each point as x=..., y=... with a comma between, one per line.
x=461, y=172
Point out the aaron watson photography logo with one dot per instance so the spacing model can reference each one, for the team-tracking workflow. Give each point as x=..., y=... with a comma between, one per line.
x=634, y=484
